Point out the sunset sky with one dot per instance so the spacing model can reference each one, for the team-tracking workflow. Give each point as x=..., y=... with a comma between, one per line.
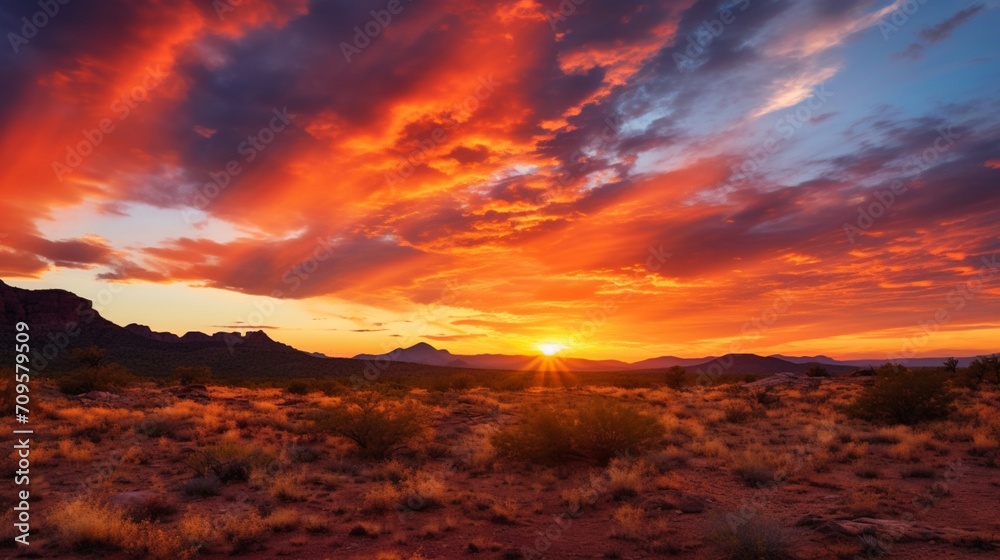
x=625, y=179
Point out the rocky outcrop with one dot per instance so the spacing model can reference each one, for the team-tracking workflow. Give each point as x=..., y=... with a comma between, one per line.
x=197, y=393
x=675, y=500
x=897, y=530
x=146, y=332
x=45, y=310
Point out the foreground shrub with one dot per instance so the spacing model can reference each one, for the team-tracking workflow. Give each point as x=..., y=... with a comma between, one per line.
x=86, y=526
x=378, y=428
x=244, y=531
x=544, y=436
x=752, y=538
x=606, y=429
x=757, y=468
x=902, y=396
x=600, y=431
x=229, y=461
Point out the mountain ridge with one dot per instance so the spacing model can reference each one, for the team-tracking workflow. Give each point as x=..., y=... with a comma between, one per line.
x=60, y=320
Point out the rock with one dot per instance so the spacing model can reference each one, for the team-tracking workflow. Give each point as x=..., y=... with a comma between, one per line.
x=896, y=530
x=680, y=501
x=198, y=393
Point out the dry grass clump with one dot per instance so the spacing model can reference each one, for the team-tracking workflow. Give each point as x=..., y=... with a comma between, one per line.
x=76, y=450
x=630, y=524
x=315, y=524
x=627, y=479
x=87, y=526
x=244, y=531
x=288, y=487
x=229, y=461
x=753, y=538
x=382, y=497
x=983, y=444
x=911, y=448
x=758, y=468
x=283, y=520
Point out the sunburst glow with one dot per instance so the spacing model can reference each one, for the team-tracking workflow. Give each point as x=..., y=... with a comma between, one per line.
x=550, y=349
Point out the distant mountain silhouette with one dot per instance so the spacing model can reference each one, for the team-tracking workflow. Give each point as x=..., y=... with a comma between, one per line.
x=668, y=361
x=424, y=353
x=61, y=321
x=752, y=364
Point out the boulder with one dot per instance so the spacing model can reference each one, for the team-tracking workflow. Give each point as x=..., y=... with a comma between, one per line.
x=197, y=393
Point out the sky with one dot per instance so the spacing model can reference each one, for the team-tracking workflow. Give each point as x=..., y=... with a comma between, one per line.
x=622, y=179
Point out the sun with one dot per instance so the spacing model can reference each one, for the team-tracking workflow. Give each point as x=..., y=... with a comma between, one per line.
x=550, y=349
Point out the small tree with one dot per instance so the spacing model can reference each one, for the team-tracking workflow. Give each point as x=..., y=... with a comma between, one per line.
x=90, y=356
x=674, y=377
x=902, y=396
x=951, y=365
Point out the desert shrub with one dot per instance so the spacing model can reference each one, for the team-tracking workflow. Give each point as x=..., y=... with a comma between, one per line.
x=599, y=430
x=605, y=429
x=283, y=520
x=902, y=396
x=288, y=488
x=544, y=436
x=229, y=461
x=86, y=526
x=244, y=531
x=378, y=428
x=97, y=378
x=627, y=479
x=191, y=375
x=756, y=468
x=752, y=538
x=817, y=371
